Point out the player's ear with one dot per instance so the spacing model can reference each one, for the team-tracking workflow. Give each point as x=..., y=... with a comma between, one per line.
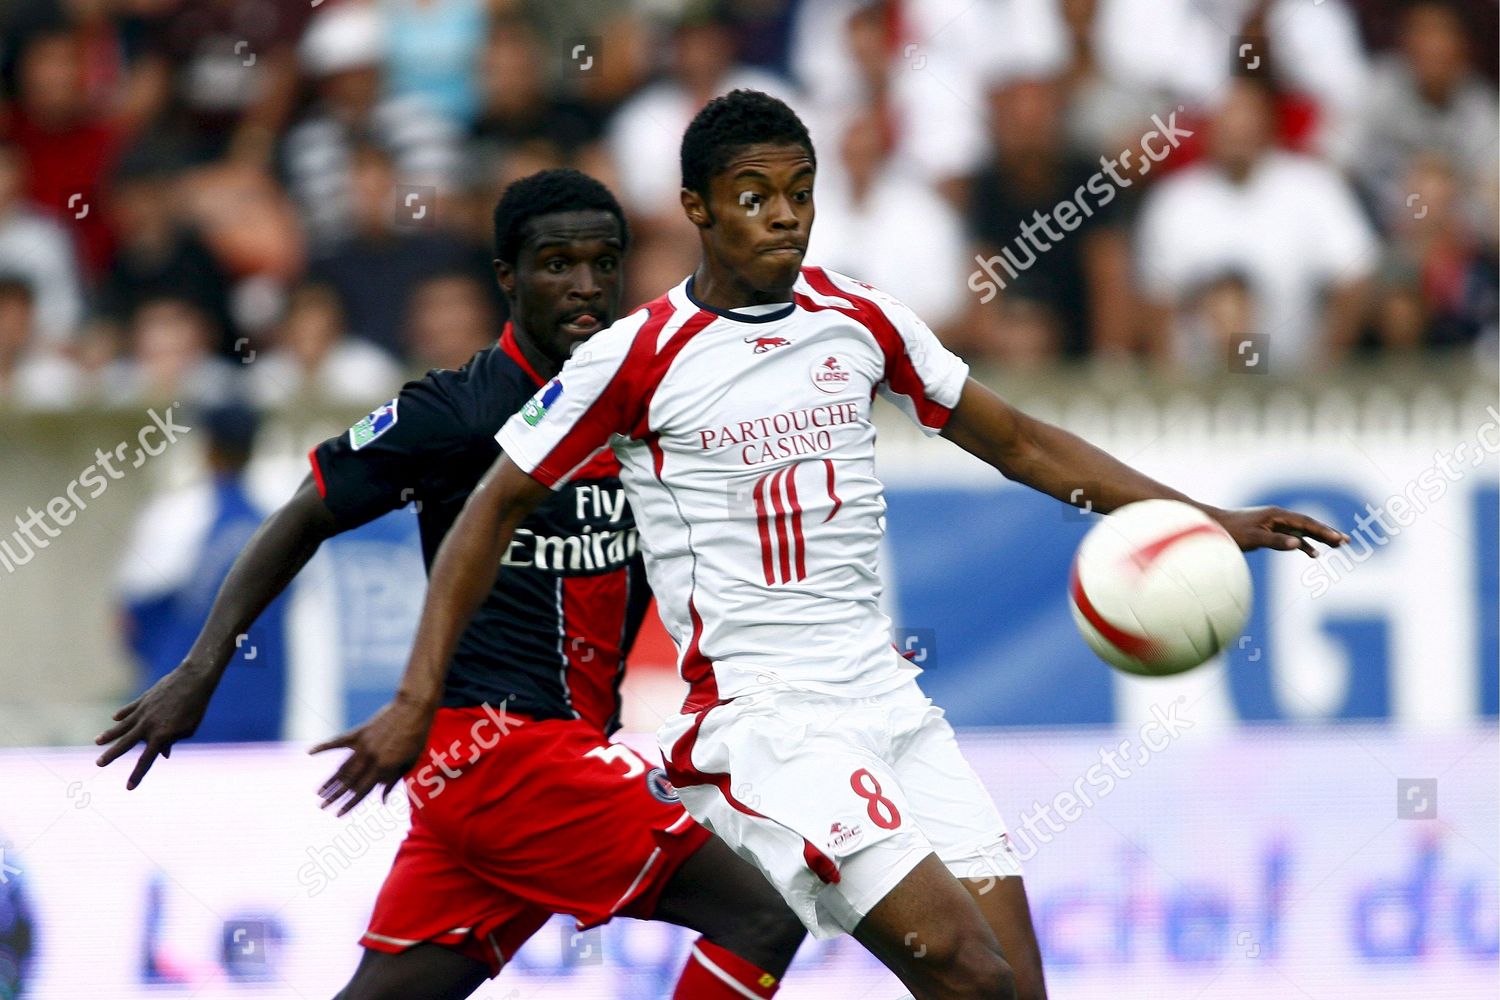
x=505, y=277
x=696, y=209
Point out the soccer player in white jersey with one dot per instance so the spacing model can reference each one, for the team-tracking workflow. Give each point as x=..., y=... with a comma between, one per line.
x=739, y=407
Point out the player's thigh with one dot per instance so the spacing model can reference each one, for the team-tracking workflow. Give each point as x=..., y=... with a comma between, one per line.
x=1005, y=908
x=947, y=799
x=797, y=794
x=724, y=898
x=960, y=819
x=423, y=972
x=929, y=932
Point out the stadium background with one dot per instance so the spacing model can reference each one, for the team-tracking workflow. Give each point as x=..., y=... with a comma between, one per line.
x=286, y=201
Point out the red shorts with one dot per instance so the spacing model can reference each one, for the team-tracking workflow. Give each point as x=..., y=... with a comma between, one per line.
x=506, y=830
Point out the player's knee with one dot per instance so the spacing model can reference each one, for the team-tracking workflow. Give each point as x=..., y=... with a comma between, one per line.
x=971, y=969
x=771, y=929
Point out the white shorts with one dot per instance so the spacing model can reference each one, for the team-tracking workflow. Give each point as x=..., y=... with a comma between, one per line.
x=834, y=799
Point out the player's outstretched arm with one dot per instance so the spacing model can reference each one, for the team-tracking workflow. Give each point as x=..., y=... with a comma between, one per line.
x=462, y=574
x=1059, y=463
x=172, y=708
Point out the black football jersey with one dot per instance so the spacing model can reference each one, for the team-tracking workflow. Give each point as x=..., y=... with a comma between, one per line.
x=551, y=638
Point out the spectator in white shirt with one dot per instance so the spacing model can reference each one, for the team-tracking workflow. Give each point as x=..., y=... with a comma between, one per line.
x=646, y=133
x=40, y=250
x=935, y=60
x=644, y=138
x=881, y=225
x=30, y=376
x=1288, y=223
x=313, y=357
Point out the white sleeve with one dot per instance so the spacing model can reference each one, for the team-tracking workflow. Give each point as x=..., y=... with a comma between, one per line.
x=574, y=415
x=922, y=377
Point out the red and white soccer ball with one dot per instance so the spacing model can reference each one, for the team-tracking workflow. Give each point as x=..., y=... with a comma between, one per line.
x=1158, y=587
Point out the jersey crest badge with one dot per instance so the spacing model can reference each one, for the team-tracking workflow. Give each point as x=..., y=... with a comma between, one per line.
x=829, y=375
x=370, y=427
x=536, y=407
x=660, y=787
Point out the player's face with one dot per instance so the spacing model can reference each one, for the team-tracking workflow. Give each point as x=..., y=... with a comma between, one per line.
x=566, y=283
x=759, y=215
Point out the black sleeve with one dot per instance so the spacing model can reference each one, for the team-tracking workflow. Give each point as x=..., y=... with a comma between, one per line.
x=393, y=455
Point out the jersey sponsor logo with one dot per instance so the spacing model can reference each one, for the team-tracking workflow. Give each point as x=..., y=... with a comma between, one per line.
x=764, y=344
x=791, y=434
x=589, y=551
x=661, y=788
x=536, y=407
x=376, y=423
x=829, y=375
x=844, y=837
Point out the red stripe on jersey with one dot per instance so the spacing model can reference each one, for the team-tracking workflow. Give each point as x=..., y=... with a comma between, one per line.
x=593, y=620
x=837, y=503
x=603, y=465
x=312, y=456
x=697, y=670
x=791, y=496
x=783, y=533
x=683, y=773
x=900, y=374
x=625, y=403
x=660, y=362
x=512, y=350
x=658, y=457
x=762, y=524
x=612, y=410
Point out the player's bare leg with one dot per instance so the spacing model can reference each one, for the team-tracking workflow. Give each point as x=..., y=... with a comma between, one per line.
x=737, y=911
x=931, y=934
x=1003, y=903
x=428, y=971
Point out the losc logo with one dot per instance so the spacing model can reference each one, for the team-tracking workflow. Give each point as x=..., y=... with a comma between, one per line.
x=844, y=837
x=829, y=375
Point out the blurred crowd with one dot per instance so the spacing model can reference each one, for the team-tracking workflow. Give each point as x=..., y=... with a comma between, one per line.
x=290, y=198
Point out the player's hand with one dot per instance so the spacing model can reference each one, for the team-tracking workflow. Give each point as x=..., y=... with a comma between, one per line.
x=385, y=748
x=170, y=710
x=1277, y=528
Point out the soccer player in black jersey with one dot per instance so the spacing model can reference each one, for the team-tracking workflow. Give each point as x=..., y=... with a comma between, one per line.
x=521, y=807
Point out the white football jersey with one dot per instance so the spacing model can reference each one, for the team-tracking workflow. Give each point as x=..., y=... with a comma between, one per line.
x=748, y=454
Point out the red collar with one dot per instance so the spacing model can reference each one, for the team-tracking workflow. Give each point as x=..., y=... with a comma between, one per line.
x=513, y=350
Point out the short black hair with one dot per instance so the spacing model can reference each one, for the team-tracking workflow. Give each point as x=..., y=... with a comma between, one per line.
x=737, y=119
x=545, y=192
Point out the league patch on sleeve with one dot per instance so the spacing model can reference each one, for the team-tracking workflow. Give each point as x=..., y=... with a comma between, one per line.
x=380, y=420
x=536, y=407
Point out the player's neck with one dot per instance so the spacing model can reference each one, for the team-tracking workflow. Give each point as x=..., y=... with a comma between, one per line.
x=718, y=288
x=543, y=364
